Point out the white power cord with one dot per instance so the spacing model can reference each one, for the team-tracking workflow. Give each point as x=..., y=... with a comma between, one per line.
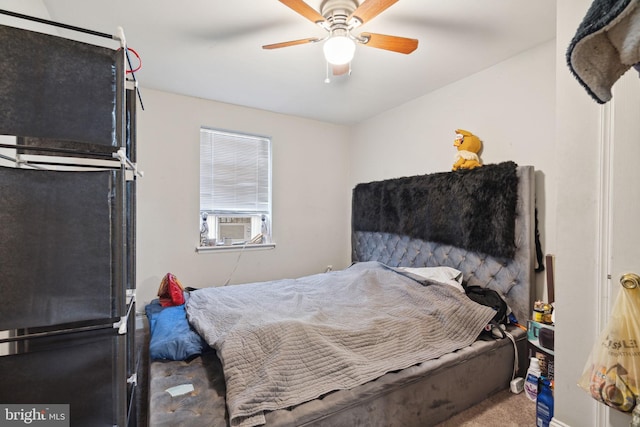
x=515, y=355
x=235, y=267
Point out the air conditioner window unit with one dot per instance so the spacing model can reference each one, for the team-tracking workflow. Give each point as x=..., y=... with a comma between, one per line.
x=236, y=229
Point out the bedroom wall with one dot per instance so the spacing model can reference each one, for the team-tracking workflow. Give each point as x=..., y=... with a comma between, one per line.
x=310, y=201
x=510, y=106
x=578, y=220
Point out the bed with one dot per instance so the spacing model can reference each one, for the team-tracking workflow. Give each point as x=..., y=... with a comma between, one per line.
x=478, y=223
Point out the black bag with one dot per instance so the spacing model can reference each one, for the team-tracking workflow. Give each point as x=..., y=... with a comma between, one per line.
x=490, y=298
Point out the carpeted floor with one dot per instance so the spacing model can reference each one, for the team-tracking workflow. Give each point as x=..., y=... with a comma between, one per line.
x=503, y=409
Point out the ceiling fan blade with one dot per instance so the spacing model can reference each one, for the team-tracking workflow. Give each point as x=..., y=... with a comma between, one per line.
x=368, y=10
x=305, y=10
x=393, y=43
x=291, y=43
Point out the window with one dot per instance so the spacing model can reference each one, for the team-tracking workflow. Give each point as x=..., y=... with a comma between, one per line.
x=235, y=188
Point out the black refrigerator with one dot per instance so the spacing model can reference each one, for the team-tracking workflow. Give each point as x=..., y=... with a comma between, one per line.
x=67, y=234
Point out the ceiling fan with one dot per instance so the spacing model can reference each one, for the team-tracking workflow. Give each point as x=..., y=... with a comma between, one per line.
x=339, y=18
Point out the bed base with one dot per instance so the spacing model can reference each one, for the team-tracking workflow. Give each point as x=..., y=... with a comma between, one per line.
x=423, y=395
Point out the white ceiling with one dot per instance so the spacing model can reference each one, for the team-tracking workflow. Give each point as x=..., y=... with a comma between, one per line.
x=212, y=49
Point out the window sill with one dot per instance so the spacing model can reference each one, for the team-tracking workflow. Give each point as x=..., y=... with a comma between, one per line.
x=224, y=248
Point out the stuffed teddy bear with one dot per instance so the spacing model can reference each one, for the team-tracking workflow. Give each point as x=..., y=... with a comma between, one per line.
x=468, y=146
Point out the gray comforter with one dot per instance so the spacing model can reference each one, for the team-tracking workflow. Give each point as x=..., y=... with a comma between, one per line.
x=285, y=342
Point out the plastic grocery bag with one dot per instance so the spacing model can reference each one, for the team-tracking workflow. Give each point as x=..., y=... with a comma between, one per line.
x=612, y=372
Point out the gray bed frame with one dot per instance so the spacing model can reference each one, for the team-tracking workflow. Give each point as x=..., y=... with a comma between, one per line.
x=422, y=395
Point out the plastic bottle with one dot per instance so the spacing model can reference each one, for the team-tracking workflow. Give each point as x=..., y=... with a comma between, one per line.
x=544, y=403
x=531, y=382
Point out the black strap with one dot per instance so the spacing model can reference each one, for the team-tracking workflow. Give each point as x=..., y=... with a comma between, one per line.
x=539, y=255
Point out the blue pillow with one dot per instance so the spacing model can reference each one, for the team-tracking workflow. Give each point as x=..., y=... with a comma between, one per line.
x=172, y=337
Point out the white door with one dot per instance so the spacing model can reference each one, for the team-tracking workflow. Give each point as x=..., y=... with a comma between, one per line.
x=622, y=227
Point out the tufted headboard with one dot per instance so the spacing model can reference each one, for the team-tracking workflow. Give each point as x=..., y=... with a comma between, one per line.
x=512, y=277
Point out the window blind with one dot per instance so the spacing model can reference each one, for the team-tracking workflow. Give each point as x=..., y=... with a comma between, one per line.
x=235, y=173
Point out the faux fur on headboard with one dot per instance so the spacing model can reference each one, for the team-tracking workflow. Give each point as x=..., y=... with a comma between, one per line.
x=471, y=209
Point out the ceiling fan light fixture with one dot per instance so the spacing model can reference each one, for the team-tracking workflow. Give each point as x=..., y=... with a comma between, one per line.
x=339, y=50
